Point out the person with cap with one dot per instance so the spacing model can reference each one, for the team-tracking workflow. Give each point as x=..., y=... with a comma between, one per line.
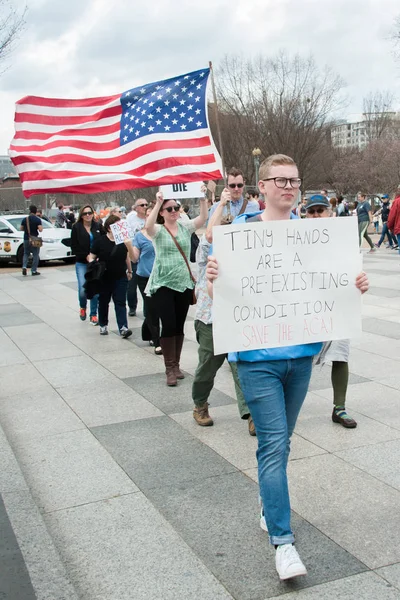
x=384, y=212
x=336, y=351
x=275, y=381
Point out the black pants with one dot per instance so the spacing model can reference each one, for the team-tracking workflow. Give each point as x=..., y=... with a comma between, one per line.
x=152, y=320
x=131, y=295
x=115, y=289
x=172, y=308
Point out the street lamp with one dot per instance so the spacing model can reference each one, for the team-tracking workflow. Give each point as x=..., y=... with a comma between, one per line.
x=256, y=156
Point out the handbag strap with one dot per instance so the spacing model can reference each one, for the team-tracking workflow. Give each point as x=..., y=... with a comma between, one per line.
x=183, y=254
x=244, y=206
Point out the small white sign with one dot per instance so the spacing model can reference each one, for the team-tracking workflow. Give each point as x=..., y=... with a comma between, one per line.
x=121, y=231
x=285, y=283
x=179, y=191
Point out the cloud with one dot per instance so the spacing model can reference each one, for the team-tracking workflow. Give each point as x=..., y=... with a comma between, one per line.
x=92, y=47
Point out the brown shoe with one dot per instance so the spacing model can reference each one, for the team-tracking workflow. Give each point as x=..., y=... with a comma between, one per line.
x=340, y=415
x=168, y=350
x=252, y=429
x=201, y=416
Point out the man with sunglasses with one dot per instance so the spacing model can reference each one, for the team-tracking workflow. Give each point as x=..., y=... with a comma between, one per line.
x=136, y=221
x=275, y=381
x=234, y=190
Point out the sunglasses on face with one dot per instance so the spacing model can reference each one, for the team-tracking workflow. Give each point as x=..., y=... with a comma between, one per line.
x=141, y=205
x=171, y=208
x=87, y=214
x=319, y=210
x=235, y=185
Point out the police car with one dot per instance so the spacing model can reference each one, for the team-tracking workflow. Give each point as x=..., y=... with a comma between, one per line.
x=12, y=240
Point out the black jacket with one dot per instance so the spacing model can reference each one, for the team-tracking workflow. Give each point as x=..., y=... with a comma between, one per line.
x=385, y=210
x=94, y=278
x=80, y=239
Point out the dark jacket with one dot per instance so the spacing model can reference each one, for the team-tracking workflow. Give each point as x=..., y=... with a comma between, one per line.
x=385, y=210
x=80, y=239
x=94, y=278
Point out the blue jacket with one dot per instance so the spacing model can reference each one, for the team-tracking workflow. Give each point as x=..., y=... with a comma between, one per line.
x=283, y=352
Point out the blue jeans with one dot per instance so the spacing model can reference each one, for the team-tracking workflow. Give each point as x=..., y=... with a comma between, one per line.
x=28, y=249
x=385, y=231
x=398, y=241
x=81, y=269
x=115, y=289
x=275, y=392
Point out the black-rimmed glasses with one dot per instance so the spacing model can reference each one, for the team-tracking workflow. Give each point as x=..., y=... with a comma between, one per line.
x=281, y=182
x=171, y=208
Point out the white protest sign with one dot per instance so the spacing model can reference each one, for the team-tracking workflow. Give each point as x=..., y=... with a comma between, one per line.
x=121, y=231
x=178, y=191
x=284, y=283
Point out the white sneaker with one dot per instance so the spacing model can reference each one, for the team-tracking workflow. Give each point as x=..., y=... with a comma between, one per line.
x=104, y=330
x=288, y=562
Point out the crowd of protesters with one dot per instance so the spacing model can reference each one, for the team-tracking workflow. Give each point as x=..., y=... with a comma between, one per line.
x=270, y=384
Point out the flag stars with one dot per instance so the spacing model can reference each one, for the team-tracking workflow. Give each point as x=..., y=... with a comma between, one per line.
x=145, y=101
x=202, y=74
x=175, y=96
x=197, y=99
x=197, y=111
x=167, y=128
x=132, y=117
x=143, y=90
x=183, y=126
x=129, y=103
x=174, y=108
x=158, y=122
x=143, y=123
x=130, y=129
x=192, y=81
x=182, y=115
x=174, y=122
x=199, y=123
x=168, y=89
x=177, y=82
x=137, y=121
x=159, y=96
x=137, y=132
x=151, y=128
x=190, y=106
x=186, y=77
x=151, y=103
x=182, y=102
x=150, y=116
x=143, y=112
x=184, y=89
x=190, y=94
x=198, y=87
x=190, y=119
x=125, y=138
x=166, y=115
x=167, y=103
x=158, y=109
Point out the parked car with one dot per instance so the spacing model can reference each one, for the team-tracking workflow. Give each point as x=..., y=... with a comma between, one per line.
x=12, y=240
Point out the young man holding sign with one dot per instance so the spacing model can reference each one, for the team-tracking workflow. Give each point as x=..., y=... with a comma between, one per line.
x=275, y=381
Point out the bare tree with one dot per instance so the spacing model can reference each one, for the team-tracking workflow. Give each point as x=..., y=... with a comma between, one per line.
x=379, y=116
x=12, y=23
x=279, y=104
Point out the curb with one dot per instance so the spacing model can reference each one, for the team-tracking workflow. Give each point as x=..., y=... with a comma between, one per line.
x=48, y=576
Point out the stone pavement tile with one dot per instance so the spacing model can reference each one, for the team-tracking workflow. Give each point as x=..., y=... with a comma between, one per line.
x=11, y=479
x=315, y=425
x=158, y=452
x=36, y=414
x=321, y=378
x=111, y=402
x=21, y=379
x=365, y=586
x=69, y=469
x=47, y=573
x=172, y=399
x=382, y=327
x=6, y=299
x=41, y=342
x=190, y=355
x=377, y=344
x=229, y=437
x=73, y=285
x=371, y=366
x=25, y=317
x=374, y=400
x=11, y=309
x=391, y=574
x=10, y=354
x=231, y=543
x=76, y=369
x=380, y=460
x=351, y=507
x=130, y=362
x=392, y=381
x=383, y=292
x=15, y=582
x=378, y=312
x=122, y=549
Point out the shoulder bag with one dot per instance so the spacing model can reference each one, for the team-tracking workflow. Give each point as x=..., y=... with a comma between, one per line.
x=194, y=299
x=34, y=240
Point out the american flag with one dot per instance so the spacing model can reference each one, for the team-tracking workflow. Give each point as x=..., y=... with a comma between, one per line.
x=154, y=134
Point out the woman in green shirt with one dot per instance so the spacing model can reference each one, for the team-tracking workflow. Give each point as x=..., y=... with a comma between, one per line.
x=171, y=282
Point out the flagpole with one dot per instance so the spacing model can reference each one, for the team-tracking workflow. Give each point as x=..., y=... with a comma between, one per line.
x=221, y=148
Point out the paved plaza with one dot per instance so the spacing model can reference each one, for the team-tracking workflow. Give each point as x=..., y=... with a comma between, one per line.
x=110, y=491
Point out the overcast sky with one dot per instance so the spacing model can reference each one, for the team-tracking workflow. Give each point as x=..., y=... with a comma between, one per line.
x=83, y=48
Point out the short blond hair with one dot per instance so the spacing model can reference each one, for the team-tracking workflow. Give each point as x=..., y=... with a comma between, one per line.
x=274, y=160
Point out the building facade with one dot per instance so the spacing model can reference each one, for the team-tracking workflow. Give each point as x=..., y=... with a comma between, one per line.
x=358, y=133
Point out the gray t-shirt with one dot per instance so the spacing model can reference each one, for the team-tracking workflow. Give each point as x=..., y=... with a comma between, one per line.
x=363, y=209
